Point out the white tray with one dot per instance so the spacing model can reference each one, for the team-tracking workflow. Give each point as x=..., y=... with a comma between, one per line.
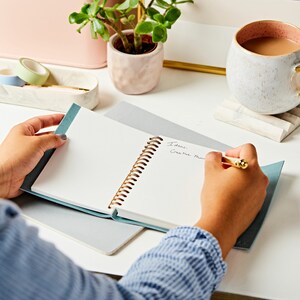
x=53, y=98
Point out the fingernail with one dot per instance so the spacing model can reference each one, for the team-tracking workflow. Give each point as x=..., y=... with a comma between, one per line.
x=62, y=136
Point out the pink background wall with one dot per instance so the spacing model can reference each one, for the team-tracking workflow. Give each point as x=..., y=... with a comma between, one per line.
x=39, y=29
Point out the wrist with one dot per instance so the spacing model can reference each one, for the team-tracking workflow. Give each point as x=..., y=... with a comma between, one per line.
x=225, y=237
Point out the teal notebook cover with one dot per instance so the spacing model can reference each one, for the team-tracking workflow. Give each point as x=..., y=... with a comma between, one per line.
x=245, y=241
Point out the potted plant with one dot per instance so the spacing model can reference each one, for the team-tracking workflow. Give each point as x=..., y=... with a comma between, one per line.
x=135, y=55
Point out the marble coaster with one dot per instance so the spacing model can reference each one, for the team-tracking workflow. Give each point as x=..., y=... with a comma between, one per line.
x=275, y=127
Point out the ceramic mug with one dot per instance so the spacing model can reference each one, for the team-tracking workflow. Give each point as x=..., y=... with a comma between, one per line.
x=263, y=66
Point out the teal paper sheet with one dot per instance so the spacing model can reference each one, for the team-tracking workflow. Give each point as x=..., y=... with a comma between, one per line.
x=245, y=241
x=273, y=172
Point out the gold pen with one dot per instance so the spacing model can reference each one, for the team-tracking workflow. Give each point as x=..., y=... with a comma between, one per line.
x=235, y=162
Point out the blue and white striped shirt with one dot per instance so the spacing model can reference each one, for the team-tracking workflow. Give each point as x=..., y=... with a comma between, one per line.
x=187, y=264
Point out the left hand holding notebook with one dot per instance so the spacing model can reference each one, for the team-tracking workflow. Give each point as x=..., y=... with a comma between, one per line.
x=231, y=197
x=22, y=149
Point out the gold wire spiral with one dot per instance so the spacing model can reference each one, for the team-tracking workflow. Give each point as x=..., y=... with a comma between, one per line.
x=136, y=170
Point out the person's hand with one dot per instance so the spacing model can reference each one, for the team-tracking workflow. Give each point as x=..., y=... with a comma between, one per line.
x=22, y=149
x=231, y=197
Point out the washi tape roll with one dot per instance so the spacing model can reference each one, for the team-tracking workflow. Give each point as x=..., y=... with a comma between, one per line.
x=8, y=77
x=32, y=71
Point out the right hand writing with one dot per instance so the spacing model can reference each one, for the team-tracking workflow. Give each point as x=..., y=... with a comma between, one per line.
x=231, y=197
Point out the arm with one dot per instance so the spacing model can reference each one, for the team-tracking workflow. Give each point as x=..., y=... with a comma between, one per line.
x=188, y=262
x=32, y=268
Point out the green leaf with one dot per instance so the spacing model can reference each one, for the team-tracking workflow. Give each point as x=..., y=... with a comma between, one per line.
x=144, y=27
x=93, y=32
x=102, y=13
x=94, y=8
x=83, y=24
x=162, y=4
x=183, y=1
x=164, y=39
x=77, y=18
x=124, y=21
x=110, y=15
x=131, y=18
x=98, y=26
x=84, y=8
x=124, y=5
x=133, y=3
x=101, y=29
x=172, y=14
x=105, y=35
x=151, y=12
x=168, y=24
x=114, y=8
x=128, y=10
x=104, y=2
x=159, y=18
x=159, y=34
x=127, y=4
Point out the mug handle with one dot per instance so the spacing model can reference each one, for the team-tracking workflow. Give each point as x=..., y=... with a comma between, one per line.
x=297, y=73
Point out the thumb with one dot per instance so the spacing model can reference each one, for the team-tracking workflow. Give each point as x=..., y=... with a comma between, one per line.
x=52, y=140
x=213, y=161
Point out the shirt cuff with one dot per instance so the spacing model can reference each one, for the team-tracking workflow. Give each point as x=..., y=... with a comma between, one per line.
x=194, y=233
x=204, y=240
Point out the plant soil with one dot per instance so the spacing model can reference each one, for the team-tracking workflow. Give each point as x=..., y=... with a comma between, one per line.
x=147, y=44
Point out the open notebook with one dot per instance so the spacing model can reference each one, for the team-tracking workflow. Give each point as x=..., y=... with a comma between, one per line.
x=112, y=170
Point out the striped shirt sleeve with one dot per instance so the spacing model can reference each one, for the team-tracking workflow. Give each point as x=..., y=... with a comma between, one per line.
x=187, y=264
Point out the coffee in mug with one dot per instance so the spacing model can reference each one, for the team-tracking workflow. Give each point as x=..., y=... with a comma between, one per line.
x=263, y=66
x=271, y=46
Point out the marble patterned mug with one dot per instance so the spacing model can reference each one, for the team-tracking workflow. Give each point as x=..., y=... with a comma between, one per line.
x=263, y=66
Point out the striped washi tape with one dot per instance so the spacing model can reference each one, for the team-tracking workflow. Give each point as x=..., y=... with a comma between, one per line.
x=32, y=71
x=8, y=77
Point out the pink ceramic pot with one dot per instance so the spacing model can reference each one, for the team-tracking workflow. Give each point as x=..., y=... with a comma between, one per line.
x=134, y=73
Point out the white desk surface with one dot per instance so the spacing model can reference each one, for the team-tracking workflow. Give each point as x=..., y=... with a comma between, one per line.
x=271, y=268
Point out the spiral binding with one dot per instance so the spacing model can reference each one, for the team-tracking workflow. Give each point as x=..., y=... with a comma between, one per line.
x=136, y=171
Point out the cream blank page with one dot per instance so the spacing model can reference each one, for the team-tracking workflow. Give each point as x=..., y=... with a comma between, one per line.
x=90, y=167
x=169, y=187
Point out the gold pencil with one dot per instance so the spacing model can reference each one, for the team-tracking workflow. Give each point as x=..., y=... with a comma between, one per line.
x=235, y=162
